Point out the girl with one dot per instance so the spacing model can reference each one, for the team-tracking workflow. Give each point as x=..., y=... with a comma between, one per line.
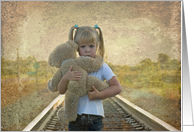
x=90, y=107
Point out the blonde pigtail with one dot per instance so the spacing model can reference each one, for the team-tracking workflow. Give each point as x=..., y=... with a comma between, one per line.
x=71, y=37
x=101, y=44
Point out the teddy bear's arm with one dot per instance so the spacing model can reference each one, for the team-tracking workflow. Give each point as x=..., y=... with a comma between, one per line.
x=53, y=82
x=97, y=83
x=90, y=64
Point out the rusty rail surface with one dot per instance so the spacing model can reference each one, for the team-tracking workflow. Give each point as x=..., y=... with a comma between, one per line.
x=120, y=115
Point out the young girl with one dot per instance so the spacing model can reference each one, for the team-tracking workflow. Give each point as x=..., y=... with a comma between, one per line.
x=90, y=108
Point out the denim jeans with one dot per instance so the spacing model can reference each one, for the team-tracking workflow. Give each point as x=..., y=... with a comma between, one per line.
x=86, y=122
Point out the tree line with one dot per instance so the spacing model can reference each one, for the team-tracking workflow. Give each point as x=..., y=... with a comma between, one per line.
x=28, y=67
x=148, y=73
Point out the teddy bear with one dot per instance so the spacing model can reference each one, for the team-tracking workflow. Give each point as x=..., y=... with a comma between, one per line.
x=64, y=56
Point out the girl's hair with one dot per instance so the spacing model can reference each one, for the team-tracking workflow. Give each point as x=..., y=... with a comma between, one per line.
x=88, y=35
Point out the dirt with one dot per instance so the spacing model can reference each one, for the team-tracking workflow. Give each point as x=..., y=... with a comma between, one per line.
x=165, y=109
x=20, y=104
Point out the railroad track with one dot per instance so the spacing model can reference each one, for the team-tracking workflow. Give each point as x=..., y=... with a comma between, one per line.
x=120, y=115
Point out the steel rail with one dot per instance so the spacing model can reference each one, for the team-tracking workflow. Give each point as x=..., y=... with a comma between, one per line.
x=143, y=117
x=140, y=114
x=45, y=115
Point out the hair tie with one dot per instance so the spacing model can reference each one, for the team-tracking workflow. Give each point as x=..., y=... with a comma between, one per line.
x=76, y=25
x=96, y=26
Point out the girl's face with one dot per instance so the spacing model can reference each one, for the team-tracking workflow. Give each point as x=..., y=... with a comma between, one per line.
x=87, y=50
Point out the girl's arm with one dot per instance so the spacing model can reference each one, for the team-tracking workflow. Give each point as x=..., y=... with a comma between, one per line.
x=69, y=76
x=114, y=89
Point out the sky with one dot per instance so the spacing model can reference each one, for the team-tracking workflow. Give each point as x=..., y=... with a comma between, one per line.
x=132, y=31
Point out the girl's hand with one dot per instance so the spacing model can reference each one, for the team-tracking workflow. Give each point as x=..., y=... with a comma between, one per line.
x=69, y=76
x=94, y=94
x=72, y=75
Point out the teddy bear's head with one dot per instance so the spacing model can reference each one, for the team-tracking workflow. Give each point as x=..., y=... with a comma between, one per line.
x=63, y=52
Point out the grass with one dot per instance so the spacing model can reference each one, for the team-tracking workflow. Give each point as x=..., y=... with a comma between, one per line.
x=163, y=83
x=169, y=91
x=11, y=91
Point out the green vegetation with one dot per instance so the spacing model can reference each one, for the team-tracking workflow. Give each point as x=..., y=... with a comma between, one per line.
x=25, y=67
x=162, y=77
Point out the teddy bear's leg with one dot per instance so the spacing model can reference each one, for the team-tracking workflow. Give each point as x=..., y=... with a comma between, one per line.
x=75, y=90
x=97, y=83
x=61, y=115
x=53, y=82
x=70, y=108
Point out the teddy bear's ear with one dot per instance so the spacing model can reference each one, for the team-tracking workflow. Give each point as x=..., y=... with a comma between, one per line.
x=73, y=44
x=62, y=52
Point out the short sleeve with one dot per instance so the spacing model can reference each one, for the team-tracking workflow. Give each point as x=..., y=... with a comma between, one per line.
x=107, y=72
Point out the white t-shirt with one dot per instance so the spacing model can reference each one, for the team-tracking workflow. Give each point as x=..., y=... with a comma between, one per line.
x=95, y=107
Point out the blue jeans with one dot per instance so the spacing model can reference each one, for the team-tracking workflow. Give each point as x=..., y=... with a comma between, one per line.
x=86, y=122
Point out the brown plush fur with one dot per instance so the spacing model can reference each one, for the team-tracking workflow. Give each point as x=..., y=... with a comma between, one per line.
x=64, y=56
